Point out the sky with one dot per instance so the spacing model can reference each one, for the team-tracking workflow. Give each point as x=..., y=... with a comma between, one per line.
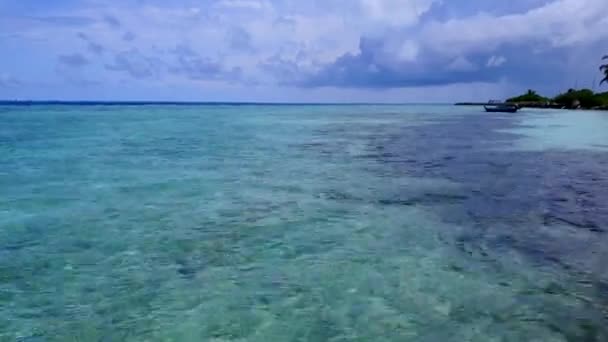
x=297, y=50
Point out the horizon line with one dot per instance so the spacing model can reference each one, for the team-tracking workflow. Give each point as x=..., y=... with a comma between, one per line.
x=156, y=102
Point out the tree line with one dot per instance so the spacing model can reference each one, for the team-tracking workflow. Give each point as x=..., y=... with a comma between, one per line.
x=573, y=98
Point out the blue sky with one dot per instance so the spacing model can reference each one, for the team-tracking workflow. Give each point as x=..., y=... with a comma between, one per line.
x=298, y=51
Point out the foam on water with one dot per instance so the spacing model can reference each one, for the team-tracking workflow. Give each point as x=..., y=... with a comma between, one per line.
x=241, y=224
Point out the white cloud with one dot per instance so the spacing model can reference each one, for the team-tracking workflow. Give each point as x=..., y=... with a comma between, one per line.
x=496, y=61
x=394, y=12
x=309, y=34
x=408, y=52
x=245, y=4
x=558, y=23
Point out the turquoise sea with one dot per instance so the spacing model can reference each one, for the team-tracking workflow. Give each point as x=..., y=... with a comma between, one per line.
x=302, y=223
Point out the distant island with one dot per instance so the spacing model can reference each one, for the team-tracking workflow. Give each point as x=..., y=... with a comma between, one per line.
x=571, y=99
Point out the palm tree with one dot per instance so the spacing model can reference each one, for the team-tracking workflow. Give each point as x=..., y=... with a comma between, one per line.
x=604, y=69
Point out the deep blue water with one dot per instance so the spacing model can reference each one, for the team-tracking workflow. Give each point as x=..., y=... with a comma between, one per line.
x=302, y=223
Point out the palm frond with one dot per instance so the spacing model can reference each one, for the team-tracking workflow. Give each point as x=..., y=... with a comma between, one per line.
x=604, y=69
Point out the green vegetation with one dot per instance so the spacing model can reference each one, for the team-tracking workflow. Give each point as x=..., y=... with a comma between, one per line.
x=603, y=98
x=584, y=98
x=573, y=98
x=530, y=96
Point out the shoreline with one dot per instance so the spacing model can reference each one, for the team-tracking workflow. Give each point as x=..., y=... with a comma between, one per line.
x=530, y=105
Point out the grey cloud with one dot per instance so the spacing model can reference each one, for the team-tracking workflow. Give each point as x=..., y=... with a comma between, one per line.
x=535, y=47
x=192, y=65
x=240, y=40
x=112, y=21
x=95, y=48
x=75, y=60
x=75, y=21
x=80, y=81
x=369, y=69
x=128, y=36
x=186, y=63
x=71, y=67
x=92, y=46
x=137, y=65
x=283, y=70
x=461, y=43
x=8, y=81
x=284, y=23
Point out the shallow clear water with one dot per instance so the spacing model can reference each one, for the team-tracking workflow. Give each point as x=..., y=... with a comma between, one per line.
x=301, y=223
x=561, y=129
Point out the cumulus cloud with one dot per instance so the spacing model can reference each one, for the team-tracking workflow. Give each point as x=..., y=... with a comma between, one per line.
x=319, y=43
x=516, y=47
x=370, y=69
x=395, y=12
x=558, y=23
